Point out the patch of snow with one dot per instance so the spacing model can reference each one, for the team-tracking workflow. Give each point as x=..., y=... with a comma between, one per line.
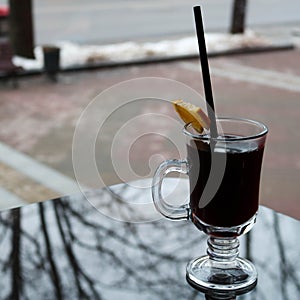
x=72, y=54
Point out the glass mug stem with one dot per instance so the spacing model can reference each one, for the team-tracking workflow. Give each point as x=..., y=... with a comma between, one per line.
x=220, y=249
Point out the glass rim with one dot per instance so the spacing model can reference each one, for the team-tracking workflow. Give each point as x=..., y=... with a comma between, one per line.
x=264, y=130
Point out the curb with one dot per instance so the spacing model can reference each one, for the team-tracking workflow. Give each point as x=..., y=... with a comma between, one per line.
x=154, y=60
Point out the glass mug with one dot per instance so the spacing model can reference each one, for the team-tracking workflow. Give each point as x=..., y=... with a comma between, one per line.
x=224, y=178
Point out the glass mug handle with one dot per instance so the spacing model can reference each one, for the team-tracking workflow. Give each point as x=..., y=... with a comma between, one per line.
x=169, y=211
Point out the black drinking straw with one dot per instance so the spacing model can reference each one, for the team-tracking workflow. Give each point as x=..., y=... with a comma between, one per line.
x=205, y=71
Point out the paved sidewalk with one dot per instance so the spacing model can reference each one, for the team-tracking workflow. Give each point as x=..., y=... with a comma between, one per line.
x=38, y=120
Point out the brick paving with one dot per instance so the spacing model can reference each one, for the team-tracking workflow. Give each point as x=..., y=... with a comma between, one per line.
x=39, y=119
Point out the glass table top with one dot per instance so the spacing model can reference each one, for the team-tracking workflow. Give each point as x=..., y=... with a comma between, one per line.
x=111, y=244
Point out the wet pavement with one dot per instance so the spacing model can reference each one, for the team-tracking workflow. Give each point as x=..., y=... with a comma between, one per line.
x=38, y=121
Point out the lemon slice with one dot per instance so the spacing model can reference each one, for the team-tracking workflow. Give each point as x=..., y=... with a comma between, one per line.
x=190, y=113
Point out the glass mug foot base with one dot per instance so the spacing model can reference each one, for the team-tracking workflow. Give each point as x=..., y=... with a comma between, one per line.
x=208, y=275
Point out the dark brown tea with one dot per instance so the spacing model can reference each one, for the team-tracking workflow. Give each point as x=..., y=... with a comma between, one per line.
x=236, y=198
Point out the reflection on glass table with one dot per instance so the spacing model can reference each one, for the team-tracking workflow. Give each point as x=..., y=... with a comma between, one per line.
x=68, y=249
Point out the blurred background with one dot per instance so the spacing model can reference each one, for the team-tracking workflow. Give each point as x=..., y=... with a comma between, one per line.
x=43, y=92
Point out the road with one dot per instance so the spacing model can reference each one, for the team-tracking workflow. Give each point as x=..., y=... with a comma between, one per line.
x=105, y=21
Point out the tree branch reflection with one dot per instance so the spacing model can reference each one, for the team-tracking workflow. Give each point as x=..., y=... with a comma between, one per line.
x=66, y=249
